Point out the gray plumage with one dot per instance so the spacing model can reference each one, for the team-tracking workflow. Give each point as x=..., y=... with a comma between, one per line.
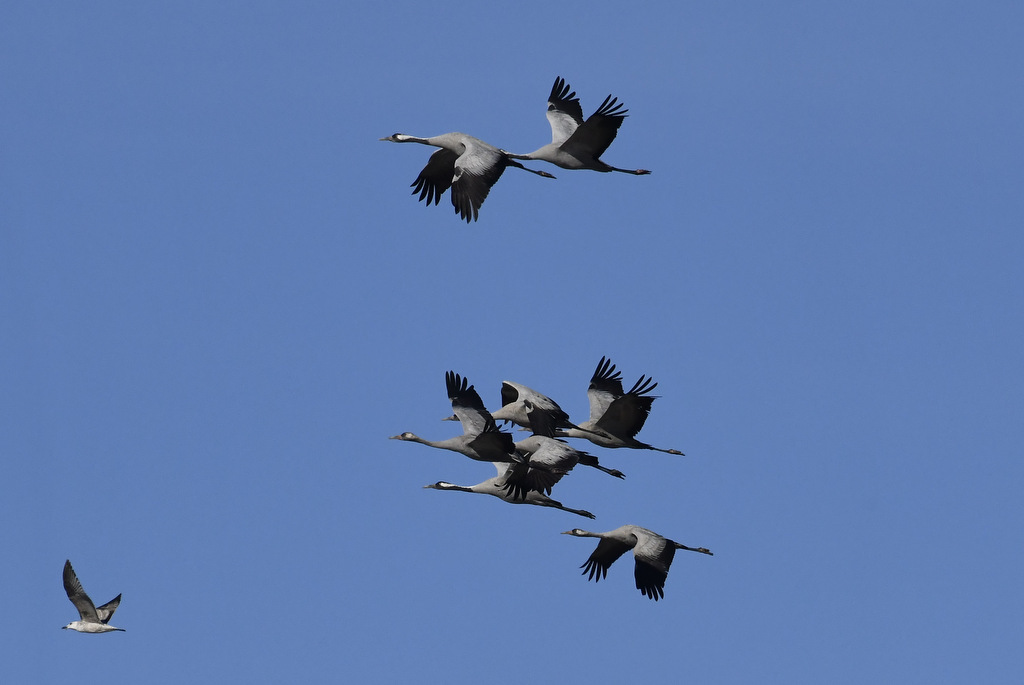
x=616, y=416
x=92, y=619
x=481, y=439
x=497, y=487
x=652, y=552
x=515, y=399
x=550, y=455
x=467, y=165
x=575, y=143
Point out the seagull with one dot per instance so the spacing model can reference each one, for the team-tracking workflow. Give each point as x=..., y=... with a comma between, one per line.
x=92, y=619
x=653, y=555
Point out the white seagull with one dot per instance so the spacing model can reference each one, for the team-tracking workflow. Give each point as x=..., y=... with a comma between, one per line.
x=92, y=619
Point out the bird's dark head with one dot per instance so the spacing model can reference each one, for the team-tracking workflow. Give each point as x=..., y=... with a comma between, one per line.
x=444, y=485
x=578, y=532
x=396, y=138
x=403, y=436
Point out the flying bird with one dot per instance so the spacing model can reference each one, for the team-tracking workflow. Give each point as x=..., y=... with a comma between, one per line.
x=481, y=439
x=92, y=619
x=548, y=455
x=467, y=165
x=616, y=416
x=517, y=401
x=653, y=555
x=575, y=143
x=497, y=487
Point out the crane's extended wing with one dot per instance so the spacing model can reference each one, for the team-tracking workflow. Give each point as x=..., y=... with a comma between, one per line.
x=564, y=111
x=476, y=170
x=654, y=556
x=626, y=415
x=436, y=177
x=604, y=556
x=466, y=404
x=605, y=387
x=596, y=133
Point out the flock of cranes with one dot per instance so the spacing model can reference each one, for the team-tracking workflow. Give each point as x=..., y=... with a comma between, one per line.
x=470, y=167
x=528, y=469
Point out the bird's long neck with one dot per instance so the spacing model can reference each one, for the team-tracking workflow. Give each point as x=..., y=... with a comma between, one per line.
x=403, y=138
x=440, y=444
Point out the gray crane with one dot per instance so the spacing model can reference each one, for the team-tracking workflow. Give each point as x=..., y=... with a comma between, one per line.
x=497, y=487
x=92, y=619
x=653, y=555
x=550, y=455
x=515, y=398
x=480, y=440
x=616, y=416
x=575, y=143
x=467, y=165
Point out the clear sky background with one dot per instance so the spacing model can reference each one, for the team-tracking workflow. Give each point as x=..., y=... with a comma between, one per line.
x=218, y=299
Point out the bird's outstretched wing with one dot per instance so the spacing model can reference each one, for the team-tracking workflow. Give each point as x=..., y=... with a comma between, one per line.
x=654, y=556
x=107, y=610
x=626, y=415
x=466, y=403
x=605, y=387
x=476, y=170
x=596, y=133
x=436, y=177
x=564, y=111
x=604, y=556
x=72, y=586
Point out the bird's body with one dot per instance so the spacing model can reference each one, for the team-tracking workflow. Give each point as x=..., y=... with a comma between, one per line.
x=497, y=487
x=616, y=416
x=550, y=455
x=517, y=401
x=575, y=143
x=653, y=554
x=466, y=164
x=480, y=440
x=92, y=619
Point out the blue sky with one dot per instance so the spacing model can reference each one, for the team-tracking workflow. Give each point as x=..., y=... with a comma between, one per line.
x=219, y=299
